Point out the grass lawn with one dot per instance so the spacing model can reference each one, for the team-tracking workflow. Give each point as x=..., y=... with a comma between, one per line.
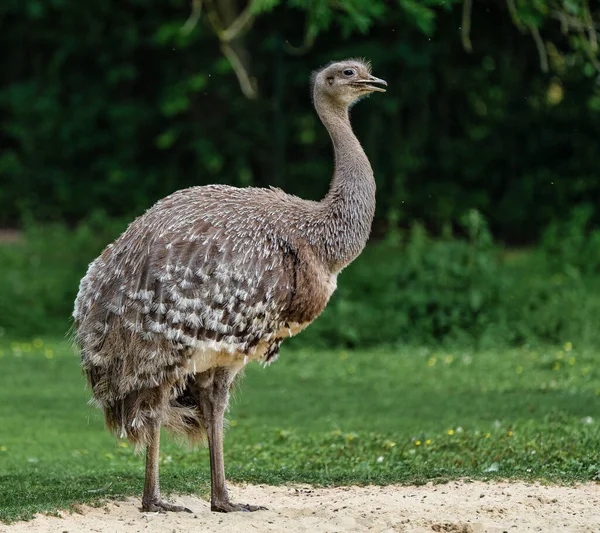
x=331, y=417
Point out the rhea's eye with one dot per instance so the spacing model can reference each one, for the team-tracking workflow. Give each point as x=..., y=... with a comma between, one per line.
x=349, y=72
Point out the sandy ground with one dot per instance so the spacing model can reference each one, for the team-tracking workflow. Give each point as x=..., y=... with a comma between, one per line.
x=457, y=507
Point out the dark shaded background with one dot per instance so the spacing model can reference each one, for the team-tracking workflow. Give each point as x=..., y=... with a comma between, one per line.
x=108, y=106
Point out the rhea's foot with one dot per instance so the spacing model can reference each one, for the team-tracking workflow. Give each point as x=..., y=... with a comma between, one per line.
x=228, y=507
x=159, y=506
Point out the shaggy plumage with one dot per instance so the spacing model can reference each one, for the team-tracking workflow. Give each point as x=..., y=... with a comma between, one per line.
x=213, y=277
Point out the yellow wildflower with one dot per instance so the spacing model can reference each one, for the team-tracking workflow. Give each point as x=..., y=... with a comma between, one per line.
x=568, y=346
x=417, y=443
x=450, y=432
x=510, y=433
x=431, y=362
x=428, y=441
x=3, y=448
x=488, y=435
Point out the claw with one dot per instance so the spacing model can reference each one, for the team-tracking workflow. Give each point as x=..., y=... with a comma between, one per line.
x=162, y=507
x=228, y=507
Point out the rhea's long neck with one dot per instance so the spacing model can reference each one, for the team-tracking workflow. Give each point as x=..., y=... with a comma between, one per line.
x=350, y=203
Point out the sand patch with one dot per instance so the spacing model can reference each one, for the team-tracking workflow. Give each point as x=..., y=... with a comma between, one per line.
x=456, y=507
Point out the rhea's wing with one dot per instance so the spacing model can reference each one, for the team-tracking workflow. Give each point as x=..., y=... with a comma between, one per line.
x=213, y=291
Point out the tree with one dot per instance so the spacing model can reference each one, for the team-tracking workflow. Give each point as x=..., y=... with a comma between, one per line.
x=230, y=21
x=111, y=107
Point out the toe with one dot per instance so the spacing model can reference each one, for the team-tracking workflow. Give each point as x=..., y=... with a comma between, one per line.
x=163, y=507
x=181, y=509
x=253, y=508
x=227, y=507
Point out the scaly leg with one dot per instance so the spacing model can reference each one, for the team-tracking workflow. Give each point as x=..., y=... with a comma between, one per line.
x=213, y=400
x=151, y=500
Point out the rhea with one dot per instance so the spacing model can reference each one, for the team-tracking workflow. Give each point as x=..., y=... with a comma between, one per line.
x=211, y=278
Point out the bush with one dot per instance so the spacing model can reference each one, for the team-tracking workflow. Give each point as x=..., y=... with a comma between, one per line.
x=91, y=119
x=416, y=288
x=573, y=245
x=40, y=275
x=408, y=288
x=423, y=290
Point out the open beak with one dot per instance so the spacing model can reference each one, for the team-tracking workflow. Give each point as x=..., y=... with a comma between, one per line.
x=372, y=83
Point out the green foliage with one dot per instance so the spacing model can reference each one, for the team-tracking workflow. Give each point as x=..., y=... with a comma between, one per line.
x=573, y=246
x=410, y=288
x=521, y=414
x=40, y=275
x=91, y=119
x=424, y=290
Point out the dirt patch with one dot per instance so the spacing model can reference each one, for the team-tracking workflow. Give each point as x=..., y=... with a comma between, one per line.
x=10, y=236
x=457, y=507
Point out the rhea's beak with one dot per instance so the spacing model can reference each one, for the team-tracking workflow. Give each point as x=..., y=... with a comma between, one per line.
x=372, y=83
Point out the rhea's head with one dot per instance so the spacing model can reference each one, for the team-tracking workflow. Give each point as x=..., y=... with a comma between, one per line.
x=345, y=82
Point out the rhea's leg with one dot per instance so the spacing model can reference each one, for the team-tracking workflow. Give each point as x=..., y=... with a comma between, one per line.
x=151, y=500
x=214, y=397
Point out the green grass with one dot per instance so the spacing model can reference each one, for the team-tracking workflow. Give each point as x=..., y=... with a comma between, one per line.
x=333, y=417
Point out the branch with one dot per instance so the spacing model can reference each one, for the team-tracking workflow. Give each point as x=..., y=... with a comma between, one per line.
x=309, y=40
x=514, y=15
x=466, y=25
x=194, y=17
x=239, y=26
x=226, y=36
x=213, y=18
x=569, y=22
x=590, y=24
x=247, y=83
x=586, y=29
x=541, y=47
x=590, y=52
x=535, y=32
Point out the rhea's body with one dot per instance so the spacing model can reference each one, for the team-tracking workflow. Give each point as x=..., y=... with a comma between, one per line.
x=208, y=276
x=211, y=278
